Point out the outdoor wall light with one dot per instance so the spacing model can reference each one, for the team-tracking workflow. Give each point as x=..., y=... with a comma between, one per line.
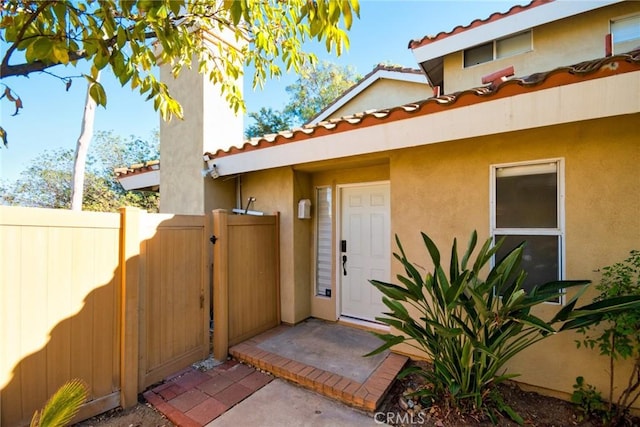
x=213, y=172
x=304, y=209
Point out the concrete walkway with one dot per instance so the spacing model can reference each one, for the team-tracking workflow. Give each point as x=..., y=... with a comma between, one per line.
x=282, y=404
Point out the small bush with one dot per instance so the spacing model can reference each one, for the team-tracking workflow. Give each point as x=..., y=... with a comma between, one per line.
x=620, y=336
x=588, y=400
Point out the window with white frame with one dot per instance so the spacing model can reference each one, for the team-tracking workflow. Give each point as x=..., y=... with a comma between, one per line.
x=527, y=204
x=625, y=34
x=323, y=240
x=496, y=49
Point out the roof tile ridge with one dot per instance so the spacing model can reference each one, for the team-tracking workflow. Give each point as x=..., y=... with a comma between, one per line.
x=416, y=43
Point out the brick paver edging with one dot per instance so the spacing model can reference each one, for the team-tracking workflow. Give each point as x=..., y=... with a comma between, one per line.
x=367, y=395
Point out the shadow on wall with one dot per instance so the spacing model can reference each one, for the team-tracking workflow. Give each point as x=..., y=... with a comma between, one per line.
x=74, y=288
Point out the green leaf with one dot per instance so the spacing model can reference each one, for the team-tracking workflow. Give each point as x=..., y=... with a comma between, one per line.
x=389, y=341
x=121, y=38
x=62, y=406
x=60, y=54
x=97, y=93
x=390, y=290
x=236, y=10
x=40, y=49
x=100, y=61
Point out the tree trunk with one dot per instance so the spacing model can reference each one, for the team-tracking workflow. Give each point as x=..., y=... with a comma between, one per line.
x=82, y=147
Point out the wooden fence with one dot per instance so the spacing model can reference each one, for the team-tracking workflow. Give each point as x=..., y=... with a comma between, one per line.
x=246, y=288
x=117, y=300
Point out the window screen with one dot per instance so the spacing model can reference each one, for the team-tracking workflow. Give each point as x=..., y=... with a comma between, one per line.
x=513, y=45
x=478, y=55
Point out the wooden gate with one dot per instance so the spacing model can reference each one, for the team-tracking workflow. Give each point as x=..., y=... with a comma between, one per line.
x=175, y=259
x=246, y=286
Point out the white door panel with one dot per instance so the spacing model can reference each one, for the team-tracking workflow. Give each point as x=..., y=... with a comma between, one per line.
x=366, y=230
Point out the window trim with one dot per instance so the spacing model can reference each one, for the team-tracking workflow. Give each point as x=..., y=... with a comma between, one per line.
x=494, y=44
x=560, y=231
x=611, y=22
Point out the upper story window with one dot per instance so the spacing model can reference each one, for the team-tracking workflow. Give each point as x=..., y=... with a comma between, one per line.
x=497, y=49
x=625, y=34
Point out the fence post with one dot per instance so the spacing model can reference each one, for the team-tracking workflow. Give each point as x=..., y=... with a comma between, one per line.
x=130, y=304
x=220, y=286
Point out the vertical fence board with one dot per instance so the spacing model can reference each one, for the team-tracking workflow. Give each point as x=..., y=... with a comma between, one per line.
x=59, y=303
x=220, y=286
x=130, y=277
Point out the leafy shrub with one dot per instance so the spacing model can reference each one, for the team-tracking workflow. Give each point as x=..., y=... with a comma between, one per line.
x=470, y=326
x=588, y=399
x=620, y=336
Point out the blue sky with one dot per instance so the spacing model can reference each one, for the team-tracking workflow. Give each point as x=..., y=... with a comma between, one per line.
x=51, y=116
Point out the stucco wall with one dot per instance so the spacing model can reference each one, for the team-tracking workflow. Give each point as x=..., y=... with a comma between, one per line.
x=443, y=190
x=181, y=148
x=209, y=123
x=553, y=46
x=384, y=93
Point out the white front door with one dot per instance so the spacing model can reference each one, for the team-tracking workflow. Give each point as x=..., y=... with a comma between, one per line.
x=364, y=249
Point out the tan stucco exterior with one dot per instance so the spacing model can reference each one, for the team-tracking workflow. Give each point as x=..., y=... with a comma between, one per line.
x=209, y=124
x=384, y=93
x=585, y=41
x=444, y=189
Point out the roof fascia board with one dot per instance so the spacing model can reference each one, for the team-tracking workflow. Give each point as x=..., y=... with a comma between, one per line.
x=135, y=181
x=592, y=99
x=363, y=85
x=502, y=27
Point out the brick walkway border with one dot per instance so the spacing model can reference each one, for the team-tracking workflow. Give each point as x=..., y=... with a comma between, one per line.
x=367, y=395
x=192, y=398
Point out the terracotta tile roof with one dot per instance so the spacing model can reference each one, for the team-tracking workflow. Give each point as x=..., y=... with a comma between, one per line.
x=598, y=68
x=138, y=168
x=396, y=68
x=413, y=44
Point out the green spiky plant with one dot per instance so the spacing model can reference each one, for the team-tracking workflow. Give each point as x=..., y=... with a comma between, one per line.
x=62, y=406
x=470, y=326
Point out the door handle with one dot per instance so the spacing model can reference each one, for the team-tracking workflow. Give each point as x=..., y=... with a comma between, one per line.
x=344, y=261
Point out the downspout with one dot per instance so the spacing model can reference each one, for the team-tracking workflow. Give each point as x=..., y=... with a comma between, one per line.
x=239, y=192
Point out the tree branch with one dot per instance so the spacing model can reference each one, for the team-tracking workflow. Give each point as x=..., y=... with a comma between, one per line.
x=13, y=47
x=36, y=66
